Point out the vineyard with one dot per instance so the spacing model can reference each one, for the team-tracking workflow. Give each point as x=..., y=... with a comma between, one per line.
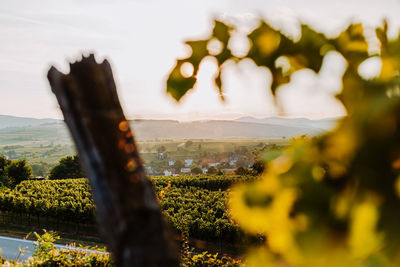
x=193, y=204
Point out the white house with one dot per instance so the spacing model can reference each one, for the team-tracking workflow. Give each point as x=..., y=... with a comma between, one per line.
x=188, y=162
x=233, y=162
x=169, y=172
x=186, y=170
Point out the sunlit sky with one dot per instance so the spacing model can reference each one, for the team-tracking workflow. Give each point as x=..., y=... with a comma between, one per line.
x=142, y=40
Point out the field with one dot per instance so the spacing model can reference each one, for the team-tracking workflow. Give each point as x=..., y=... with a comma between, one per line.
x=50, y=152
x=194, y=205
x=43, y=154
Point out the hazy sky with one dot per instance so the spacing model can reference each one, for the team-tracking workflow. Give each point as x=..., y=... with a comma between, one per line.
x=142, y=39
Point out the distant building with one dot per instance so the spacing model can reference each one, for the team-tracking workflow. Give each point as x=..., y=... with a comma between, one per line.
x=251, y=163
x=188, y=162
x=206, y=161
x=169, y=172
x=224, y=160
x=186, y=170
x=232, y=162
x=160, y=155
x=234, y=159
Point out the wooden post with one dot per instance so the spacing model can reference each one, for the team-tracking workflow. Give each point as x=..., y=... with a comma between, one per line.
x=128, y=212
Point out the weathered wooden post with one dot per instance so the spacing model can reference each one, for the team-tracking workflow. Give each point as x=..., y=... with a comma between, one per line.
x=128, y=212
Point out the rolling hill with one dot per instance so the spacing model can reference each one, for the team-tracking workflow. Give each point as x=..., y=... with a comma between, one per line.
x=19, y=129
x=7, y=121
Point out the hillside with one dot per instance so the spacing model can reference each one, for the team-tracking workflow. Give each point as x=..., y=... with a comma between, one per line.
x=16, y=129
x=322, y=124
x=7, y=121
x=156, y=129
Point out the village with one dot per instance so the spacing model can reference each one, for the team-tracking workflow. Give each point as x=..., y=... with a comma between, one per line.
x=199, y=157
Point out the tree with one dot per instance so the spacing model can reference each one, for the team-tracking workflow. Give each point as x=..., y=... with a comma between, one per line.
x=242, y=162
x=18, y=171
x=178, y=165
x=196, y=169
x=241, y=171
x=67, y=167
x=258, y=167
x=212, y=170
x=335, y=198
x=4, y=163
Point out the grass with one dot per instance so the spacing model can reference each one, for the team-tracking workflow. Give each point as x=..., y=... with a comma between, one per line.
x=22, y=231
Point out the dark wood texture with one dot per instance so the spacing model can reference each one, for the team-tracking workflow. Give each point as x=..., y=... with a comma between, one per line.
x=128, y=212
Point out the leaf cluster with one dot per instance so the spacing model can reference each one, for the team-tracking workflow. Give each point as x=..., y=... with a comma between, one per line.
x=333, y=200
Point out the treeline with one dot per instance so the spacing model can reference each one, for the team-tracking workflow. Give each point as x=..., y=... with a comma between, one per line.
x=12, y=172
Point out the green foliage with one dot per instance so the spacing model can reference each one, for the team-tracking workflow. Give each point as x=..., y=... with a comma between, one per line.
x=44, y=244
x=178, y=165
x=13, y=172
x=201, y=212
x=68, y=167
x=197, y=205
x=47, y=254
x=4, y=163
x=190, y=202
x=258, y=167
x=208, y=182
x=268, y=47
x=333, y=200
x=196, y=169
x=242, y=171
x=18, y=171
x=190, y=258
x=67, y=200
x=212, y=170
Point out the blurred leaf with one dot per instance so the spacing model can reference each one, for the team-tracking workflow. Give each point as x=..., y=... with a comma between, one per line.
x=177, y=84
x=221, y=31
x=199, y=51
x=343, y=183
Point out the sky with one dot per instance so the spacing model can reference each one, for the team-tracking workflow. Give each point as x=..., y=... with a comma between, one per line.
x=142, y=39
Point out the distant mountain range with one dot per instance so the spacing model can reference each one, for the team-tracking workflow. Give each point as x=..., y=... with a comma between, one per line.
x=12, y=121
x=242, y=128
x=322, y=124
